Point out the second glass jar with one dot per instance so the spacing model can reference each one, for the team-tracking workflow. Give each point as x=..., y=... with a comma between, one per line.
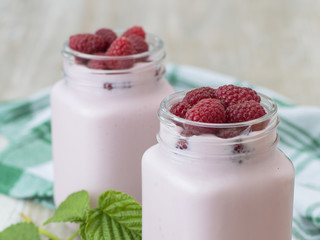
x=231, y=183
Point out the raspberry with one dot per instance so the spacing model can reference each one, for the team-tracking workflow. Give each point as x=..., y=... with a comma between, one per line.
x=194, y=96
x=207, y=111
x=138, y=43
x=230, y=94
x=135, y=30
x=97, y=64
x=120, y=47
x=108, y=35
x=182, y=144
x=180, y=109
x=87, y=43
x=244, y=111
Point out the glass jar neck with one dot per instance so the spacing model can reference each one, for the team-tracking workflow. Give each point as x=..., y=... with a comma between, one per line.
x=147, y=69
x=218, y=141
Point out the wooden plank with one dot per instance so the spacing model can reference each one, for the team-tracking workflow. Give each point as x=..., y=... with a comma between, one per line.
x=11, y=209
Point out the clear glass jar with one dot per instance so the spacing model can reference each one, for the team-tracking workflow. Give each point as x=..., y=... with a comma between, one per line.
x=217, y=187
x=103, y=121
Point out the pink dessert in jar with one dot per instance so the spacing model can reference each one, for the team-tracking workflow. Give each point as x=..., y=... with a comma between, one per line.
x=104, y=111
x=216, y=172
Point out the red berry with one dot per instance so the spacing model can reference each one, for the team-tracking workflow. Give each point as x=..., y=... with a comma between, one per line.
x=138, y=43
x=180, y=109
x=182, y=144
x=120, y=47
x=230, y=94
x=194, y=96
x=244, y=111
x=135, y=30
x=87, y=43
x=108, y=35
x=208, y=111
x=97, y=64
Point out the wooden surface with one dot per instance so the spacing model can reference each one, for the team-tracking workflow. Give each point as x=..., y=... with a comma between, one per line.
x=10, y=210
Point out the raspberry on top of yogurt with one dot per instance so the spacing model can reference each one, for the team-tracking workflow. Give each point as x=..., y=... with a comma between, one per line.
x=180, y=109
x=108, y=36
x=231, y=94
x=226, y=104
x=87, y=43
x=208, y=110
x=105, y=42
x=195, y=95
x=120, y=47
x=135, y=30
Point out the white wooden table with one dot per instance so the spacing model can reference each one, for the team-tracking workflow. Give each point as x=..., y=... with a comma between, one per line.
x=10, y=210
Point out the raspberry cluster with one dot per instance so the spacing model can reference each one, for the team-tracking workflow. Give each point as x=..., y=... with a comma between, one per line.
x=105, y=42
x=226, y=104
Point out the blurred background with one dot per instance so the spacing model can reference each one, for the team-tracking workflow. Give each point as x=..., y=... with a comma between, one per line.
x=274, y=44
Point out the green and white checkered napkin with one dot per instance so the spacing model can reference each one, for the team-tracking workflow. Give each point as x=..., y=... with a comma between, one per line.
x=25, y=146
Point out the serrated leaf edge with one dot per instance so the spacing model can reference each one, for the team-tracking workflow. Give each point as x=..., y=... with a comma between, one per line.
x=102, y=208
x=72, y=219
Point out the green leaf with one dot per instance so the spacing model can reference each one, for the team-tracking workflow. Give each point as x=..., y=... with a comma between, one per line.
x=74, y=209
x=21, y=231
x=82, y=229
x=118, y=216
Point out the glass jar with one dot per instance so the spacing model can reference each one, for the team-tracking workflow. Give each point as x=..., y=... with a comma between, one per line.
x=230, y=184
x=103, y=121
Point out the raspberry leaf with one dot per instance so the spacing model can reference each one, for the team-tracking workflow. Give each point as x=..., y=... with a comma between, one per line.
x=118, y=216
x=21, y=231
x=82, y=231
x=74, y=209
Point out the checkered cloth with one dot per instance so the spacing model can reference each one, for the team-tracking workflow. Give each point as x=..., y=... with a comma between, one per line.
x=25, y=146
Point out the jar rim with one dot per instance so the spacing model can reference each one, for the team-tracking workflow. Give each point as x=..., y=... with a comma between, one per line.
x=164, y=113
x=155, y=45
